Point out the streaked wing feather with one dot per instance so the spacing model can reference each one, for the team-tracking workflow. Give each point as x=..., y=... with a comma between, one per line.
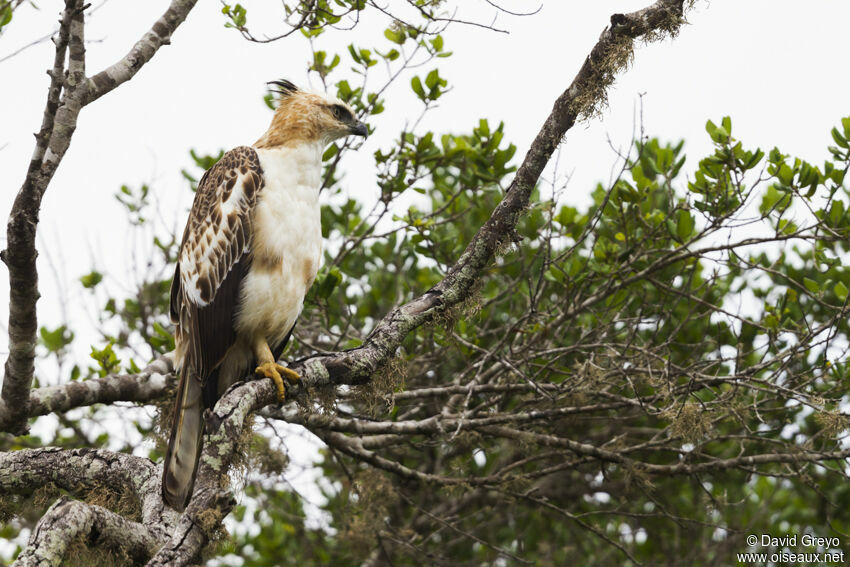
x=215, y=256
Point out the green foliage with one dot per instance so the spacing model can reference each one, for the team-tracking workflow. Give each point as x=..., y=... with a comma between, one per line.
x=5, y=14
x=91, y=279
x=284, y=533
x=648, y=277
x=434, y=85
x=135, y=202
x=7, y=11
x=106, y=358
x=56, y=340
x=237, y=14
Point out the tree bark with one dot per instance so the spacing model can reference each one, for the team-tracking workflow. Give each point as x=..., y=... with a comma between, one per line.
x=69, y=519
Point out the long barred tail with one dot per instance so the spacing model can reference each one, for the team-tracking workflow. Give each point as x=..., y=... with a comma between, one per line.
x=184, y=446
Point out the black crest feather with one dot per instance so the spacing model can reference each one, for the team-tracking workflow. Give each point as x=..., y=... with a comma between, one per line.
x=285, y=88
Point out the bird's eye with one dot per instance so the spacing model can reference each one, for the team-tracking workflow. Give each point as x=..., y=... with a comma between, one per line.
x=341, y=113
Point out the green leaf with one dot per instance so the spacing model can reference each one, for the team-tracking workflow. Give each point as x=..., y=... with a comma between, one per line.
x=416, y=84
x=685, y=225
x=106, y=359
x=330, y=152
x=432, y=79
x=553, y=274
x=771, y=321
x=57, y=339
x=839, y=139
x=394, y=35
x=7, y=16
x=329, y=282
x=836, y=212
x=811, y=285
x=840, y=291
x=90, y=280
x=354, y=55
x=774, y=199
x=719, y=134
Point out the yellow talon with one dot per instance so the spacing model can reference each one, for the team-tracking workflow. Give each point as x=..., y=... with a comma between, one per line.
x=274, y=371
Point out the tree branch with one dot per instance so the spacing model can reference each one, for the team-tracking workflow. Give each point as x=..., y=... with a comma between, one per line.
x=52, y=141
x=210, y=502
x=439, y=423
x=20, y=253
x=143, y=51
x=611, y=54
x=148, y=385
x=80, y=471
x=69, y=519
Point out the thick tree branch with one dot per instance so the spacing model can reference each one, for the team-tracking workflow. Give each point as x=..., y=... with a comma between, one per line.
x=20, y=253
x=210, y=502
x=148, y=385
x=80, y=471
x=154, y=381
x=611, y=54
x=52, y=141
x=67, y=520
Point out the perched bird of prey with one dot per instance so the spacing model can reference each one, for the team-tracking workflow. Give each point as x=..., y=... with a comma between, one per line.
x=250, y=252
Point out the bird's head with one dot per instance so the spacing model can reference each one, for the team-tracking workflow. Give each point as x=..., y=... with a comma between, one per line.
x=308, y=117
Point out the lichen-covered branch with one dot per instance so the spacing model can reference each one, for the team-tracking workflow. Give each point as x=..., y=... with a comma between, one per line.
x=67, y=520
x=210, y=502
x=81, y=471
x=587, y=91
x=148, y=385
x=330, y=430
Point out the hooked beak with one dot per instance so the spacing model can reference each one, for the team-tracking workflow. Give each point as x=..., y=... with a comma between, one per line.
x=359, y=129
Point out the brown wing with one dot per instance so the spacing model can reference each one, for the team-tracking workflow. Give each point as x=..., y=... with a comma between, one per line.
x=215, y=256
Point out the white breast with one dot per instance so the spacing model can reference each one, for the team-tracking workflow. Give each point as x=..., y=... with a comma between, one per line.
x=287, y=243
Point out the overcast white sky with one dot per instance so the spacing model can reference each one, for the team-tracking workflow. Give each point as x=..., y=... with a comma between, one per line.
x=778, y=67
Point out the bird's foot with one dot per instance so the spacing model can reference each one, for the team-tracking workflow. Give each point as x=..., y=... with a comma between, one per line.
x=277, y=373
